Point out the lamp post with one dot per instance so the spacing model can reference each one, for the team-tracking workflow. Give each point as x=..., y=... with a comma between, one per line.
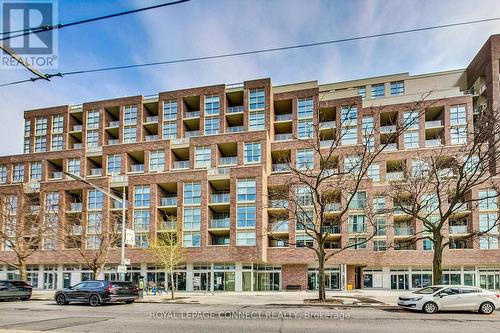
x=123, y=202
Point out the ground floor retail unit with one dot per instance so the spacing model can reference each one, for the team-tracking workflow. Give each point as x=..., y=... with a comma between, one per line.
x=263, y=277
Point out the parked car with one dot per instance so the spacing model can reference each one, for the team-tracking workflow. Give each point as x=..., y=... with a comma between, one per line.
x=10, y=289
x=95, y=292
x=449, y=297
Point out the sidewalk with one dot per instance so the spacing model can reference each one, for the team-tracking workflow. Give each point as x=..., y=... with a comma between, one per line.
x=347, y=298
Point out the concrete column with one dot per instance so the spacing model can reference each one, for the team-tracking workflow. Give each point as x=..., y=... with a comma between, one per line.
x=238, y=277
x=40, y=277
x=189, y=276
x=386, y=277
x=59, y=273
x=343, y=277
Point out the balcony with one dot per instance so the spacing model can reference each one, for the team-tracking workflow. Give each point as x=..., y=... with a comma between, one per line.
x=334, y=229
x=404, y=231
x=235, y=109
x=228, y=160
x=137, y=168
x=167, y=225
x=55, y=175
x=77, y=128
x=76, y=230
x=445, y=173
x=327, y=125
x=279, y=226
x=433, y=143
x=280, y=167
x=75, y=207
x=112, y=142
x=326, y=143
x=151, y=137
x=34, y=209
x=433, y=124
x=279, y=204
x=394, y=176
x=223, y=223
x=387, y=129
x=283, y=117
x=235, y=129
x=402, y=210
x=330, y=172
x=77, y=146
x=192, y=114
x=219, y=198
x=96, y=172
x=283, y=137
x=181, y=164
x=214, y=173
x=168, y=201
x=333, y=207
x=94, y=149
x=151, y=119
x=390, y=147
x=458, y=229
x=190, y=134
x=113, y=124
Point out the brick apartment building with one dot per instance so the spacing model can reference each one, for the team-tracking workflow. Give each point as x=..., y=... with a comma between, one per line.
x=208, y=156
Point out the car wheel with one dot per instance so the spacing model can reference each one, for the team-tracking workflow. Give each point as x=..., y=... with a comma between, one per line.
x=94, y=300
x=27, y=298
x=130, y=301
x=61, y=300
x=487, y=308
x=430, y=307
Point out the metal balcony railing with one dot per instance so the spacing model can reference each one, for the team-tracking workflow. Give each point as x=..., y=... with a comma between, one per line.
x=327, y=124
x=390, y=147
x=334, y=229
x=77, y=146
x=96, y=172
x=393, y=176
x=167, y=225
x=56, y=175
x=190, y=134
x=77, y=128
x=113, y=142
x=235, y=109
x=333, y=207
x=279, y=226
x=433, y=143
x=35, y=209
x=76, y=230
x=387, y=129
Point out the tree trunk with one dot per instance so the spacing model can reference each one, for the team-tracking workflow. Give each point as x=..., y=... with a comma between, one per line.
x=321, y=276
x=22, y=269
x=437, y=260
x=172, y=287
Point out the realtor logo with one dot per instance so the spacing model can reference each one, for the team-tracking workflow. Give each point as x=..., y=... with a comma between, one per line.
x=18, y=17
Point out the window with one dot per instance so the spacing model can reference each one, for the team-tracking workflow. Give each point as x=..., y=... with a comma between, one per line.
x=305, y=108
x=349, y=115
x=302, y=240
x=458, y=135
x=430, y=202
x=52, y=202
x=252, y=152
x=379, y=245
x=379, y=204
x=349, y=135
x=3, y=174
x=40, y=144
x=129, y=134
x=170, y=110
x=356, y=223
x=427, y=245
x=488, y=242
x=169, y=130
x=411, y=139
x=257, y=121
x=381, y=226
x=358, y=201
x=26, y=145
x=203, y=157
x=94, y=220
x=92, y=138
x=130, y=115
x=305, y=129
x=18, y=176
x=141, y=220
x=397, y=88
x=95, y=200
x=357, y=243
x=378, y=90
x=246, y=190
x=74, y=166
x=304, y=196
x=374, y=172
x=245, y=238
x=367, y=132
x=246, y=216
x=192, y=193
x=41, y=126
x=420, y=168
x=352, y=164
x=157, y=161
x=56, y=142
x=192, y=218
x=212, y=104
x=362, y=92
x=257, y=99
x=191, y=239
x=211, y=125
x=411, y=120
x=27, y=128
x=114, y=164
x=36, y=171
x=458, y=115
x=488, y=223
x=92, y=120
x=142, y=240
x=488, y=200
x=142, y=196
x=305, y=159
x=57, y=124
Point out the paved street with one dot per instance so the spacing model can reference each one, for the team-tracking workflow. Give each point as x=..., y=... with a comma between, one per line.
x=164, y=317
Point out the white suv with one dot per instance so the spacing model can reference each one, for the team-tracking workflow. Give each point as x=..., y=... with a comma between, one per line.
x=436, y=298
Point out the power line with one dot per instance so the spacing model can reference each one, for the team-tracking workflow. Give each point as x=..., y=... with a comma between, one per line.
x=266, y=50
x=28, y=31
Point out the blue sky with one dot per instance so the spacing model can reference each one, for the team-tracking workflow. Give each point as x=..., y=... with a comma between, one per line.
x=205, y=27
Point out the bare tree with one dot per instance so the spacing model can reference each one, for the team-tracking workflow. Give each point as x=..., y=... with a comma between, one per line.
x=21, y=230
x=168, y=249
x=437, y=189
x=326, y=183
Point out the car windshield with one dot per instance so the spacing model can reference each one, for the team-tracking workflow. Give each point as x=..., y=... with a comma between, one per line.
x=427, y=290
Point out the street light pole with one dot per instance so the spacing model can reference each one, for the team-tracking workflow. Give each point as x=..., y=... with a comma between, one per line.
x=123, y=202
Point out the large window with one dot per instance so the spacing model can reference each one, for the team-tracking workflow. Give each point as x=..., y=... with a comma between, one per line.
x=305, y=129
x=367, y=125
x=378, y=90
x=374, y=172
x=40, y=144
x=245, y=238
x=36, y=171
x=18, y=176
x=92, y=138
x=41, y=126
x=129, y=134
x=305, y=108
x=246, y=216
x=458, y=115
x=488, y=200
x=74, y=166
x=157, y=161
x=252, y=152
x=203, y=157
x=305, y=159
x=246, y=190
x=192, y=193
x=170, y=110
x=211, y=125
x=458, y=135
x=169, y=130
x=142, y=197
x=212, y=104
x=57, y=124
x=397, y=88
x=92, y=120
x=357, y=223
x=141, y=220
x=51, y=202
x=130, y=115
x=3, y=174
x=411, y=139
x=362, y=91
x=95, y=200
x=56, y=142
x=191, y=239
x=94, y=222
x=114, y=164
x=257, y=121
x=257, y=99
x=349, y=132
x=192, y=218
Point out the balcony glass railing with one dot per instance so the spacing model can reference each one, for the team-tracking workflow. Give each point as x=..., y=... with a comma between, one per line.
x=283, y=136
x=327, y=124
x=96, y=172
x=393, y=176
x=190, y=134
x=387, y=128
x=433, y=143
x=114, y=123
x=279, y=226
x=77, y=146
x=333, y=207
x=402, y=210
x=113, y=142
x=168, y=201
x=334, y=229
x=220, y=198
x=35, y=209
x=152, y=119
x=151, y=137
x=404, y=231
x=330, y=172
x=326, y=143
x=283, y=117
x=458, y=229
x=167, y=225
x=390, y=146
x=220, y=223
x=280, y=167
x=235, y=109
x=228, y=160
x=56, y=175
x=181, y=164
x=192, y=114
x=278, y=203
x=77, y=128
x=445, y=173
x=235, y=129
x=137, y=168
x=433, y=123
x=75, y=207
x=76, y=230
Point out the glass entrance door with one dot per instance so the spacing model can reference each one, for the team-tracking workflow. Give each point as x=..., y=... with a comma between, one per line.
x=201, y=281
x=49, y=280
x=490, y=280
x=66, y=280
x=399, y=281
x=332, y=280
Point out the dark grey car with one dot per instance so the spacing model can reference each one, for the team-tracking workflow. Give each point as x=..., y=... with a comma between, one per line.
x=97, y=292
x=11, y=289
